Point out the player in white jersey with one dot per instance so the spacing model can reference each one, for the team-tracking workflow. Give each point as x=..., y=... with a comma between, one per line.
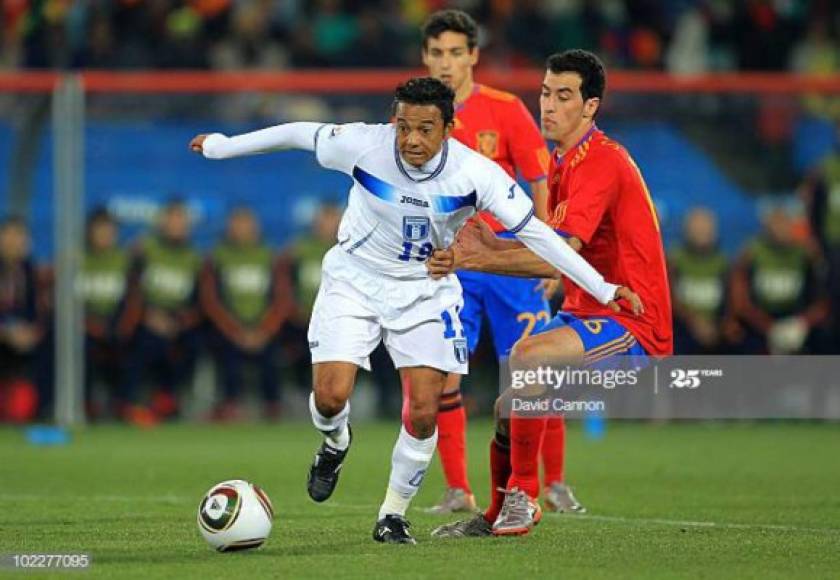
x=413, y=188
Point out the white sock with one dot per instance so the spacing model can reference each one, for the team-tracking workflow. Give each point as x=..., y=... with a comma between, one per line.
x=409, y=463
x=334, y=428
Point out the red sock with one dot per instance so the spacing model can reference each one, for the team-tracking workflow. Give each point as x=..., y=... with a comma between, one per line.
x=553, y=450
x=525, y=437
x=452, y=431
x=499, y=475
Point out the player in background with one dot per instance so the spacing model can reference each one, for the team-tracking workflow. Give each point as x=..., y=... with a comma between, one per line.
x=413, y=189
x=162, y=316
x=599, y=202
x=246, y=292
x=499, y=126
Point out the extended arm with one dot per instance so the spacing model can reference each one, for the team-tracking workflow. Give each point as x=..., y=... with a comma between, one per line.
x=288, y=136
x=471, y=252
x=542, y=240
x=517, y=261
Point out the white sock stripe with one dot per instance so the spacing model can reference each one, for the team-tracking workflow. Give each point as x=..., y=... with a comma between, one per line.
x=422, y=446
x=328, y=423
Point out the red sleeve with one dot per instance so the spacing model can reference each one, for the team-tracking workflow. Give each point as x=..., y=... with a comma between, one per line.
x=527, y=147
x=592, y=189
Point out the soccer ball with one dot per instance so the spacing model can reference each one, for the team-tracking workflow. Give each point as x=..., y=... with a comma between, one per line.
x=235, y=515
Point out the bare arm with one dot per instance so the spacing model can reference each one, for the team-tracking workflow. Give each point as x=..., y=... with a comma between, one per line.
x=469, y=253
x=539, y=193
x=516, y=261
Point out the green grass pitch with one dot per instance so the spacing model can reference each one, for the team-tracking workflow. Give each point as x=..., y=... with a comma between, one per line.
x=680, y=500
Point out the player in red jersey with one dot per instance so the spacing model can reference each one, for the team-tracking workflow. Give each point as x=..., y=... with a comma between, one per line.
x=498, y=125
x=599, y=202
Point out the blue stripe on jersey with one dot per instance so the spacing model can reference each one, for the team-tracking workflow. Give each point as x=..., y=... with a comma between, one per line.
x=381, y=189
x=523, y=223
x=450, y=203
x=387, y=192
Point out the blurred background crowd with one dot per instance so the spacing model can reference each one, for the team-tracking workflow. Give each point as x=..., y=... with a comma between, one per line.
x=682, y=36
x=223, y=275
x=152, y=309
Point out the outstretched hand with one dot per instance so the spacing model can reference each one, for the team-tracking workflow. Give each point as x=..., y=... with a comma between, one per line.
x=197, y=143
x=630, y=298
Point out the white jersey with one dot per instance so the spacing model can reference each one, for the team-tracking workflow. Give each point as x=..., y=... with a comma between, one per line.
x=398, y=214
x=375, y=285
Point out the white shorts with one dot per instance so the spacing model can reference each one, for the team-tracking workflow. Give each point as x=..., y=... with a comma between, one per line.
x=419, y=324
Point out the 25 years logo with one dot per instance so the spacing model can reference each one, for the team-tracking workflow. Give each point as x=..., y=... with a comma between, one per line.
x=685, y=379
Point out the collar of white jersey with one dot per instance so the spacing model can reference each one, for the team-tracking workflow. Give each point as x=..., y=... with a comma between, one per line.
x=429, y=170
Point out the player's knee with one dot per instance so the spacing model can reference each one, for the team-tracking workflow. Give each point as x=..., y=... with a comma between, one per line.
x=422, y=417
x=523, y=353
x=556, y=347
x=329, y=400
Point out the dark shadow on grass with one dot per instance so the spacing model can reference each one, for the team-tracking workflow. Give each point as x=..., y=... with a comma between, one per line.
x=350, y=547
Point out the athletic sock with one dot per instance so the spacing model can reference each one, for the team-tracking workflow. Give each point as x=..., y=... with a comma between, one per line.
x=334, y=428
x=499, y=475
x=452, y=431
x=409, y=463
x=525, y=437
x=553, y=450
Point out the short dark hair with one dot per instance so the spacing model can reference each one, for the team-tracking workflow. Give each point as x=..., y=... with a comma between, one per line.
x=450, y=21
x=427, y=91
x=587, y=65
x=99, y=215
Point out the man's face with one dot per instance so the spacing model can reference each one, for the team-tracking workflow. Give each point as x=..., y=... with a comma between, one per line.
x=14, y=243
x=243, y=228
x=420, y=132
x=449, y=59
x=562, y=108
x=779, y=226
x=175, y=224
x=701, y=229
x=103, y=235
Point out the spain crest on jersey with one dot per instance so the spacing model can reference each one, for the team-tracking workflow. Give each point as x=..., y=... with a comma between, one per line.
x=461, y=351
x=487, y=143
x=558, y=216
x=415, y=228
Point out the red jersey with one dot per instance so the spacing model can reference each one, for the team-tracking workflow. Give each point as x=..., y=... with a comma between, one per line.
x=597, y=194
x=497, y=125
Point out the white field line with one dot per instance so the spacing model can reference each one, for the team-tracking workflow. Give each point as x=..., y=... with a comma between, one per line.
x=171, y=498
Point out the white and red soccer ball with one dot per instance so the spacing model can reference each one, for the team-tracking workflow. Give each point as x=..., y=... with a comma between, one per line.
x=235, y=515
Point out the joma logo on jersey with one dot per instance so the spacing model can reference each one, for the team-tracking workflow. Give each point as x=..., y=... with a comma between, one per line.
x=414, y=201
x=415, y=228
